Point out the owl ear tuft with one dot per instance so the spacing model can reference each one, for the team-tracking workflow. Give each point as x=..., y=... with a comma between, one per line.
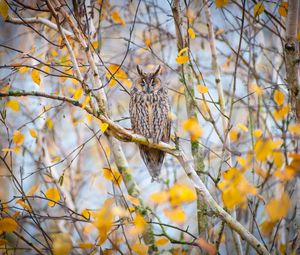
x=140, y=72
x=157, y=70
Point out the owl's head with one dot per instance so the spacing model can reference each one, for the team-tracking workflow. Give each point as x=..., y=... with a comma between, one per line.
x=148, y=82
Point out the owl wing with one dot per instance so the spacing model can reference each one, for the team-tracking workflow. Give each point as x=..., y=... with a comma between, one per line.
x=161, y=123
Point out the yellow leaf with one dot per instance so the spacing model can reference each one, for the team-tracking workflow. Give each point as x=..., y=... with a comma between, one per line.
x=263, y=148
x=278, y=97
x=86, y=245
x=139, y=225
x=235, y=188
x=33, y=133
x=192, y=126
x=135, y=201
x=13, y=104
x=254, y=88
x=24, y=69
x=283, y=9
x=112, y=175
x=62, y=244
x=86, y=213
x=278, y=208
x=117, y=19
x=267, y=227
x=55, y=159
x=191, y=33
x=4, y=9
x=182, y=59
x=49, y=123
x=182, y=51
x=103, y=127
x=104, y=220
x=114, y=73
x=86, y=101
x=8, y=225
x=35, y=75
x=258, y=9
x=24, y=205
x=78, y=93
x=18, y=138
x=242, y=127
x=161, y=241
x=159, y=197
x=4, y=88
x=294, y=128
x=202, y=89
x=53, y=52
x=95, y=44
x=278, y=158
x=234, y=135
x=180, y=194
x=281, y=113
x=176, y=215
x=257, y=133
x=53, y=194
x=140, y=249
x=221, y=3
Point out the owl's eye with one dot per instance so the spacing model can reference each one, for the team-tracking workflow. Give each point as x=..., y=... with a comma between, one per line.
x=143, y=83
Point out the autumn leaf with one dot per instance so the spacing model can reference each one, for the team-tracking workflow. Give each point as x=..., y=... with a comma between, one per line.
x=104, y=220
x=281, y=113
x=139, y=225
x=24, y=205
x=180, y=194
x=117, y=19
x=55, y=159
x=267, y=227
x=8, y=225
x=33, y=133
x=161, y=241
x=202, y=89
x=86, y=246
x=221, y=3
x=242, y=127
x=112, y=175
x=77, y=94
x=114, y=73
x=258, y=9
x=257, y=133
x=4, y=9
x=86, y=213
x=35, y=75
x=86, y=101
x=204, y=245
x=18, y=138
x=234, y=135
x=103, y=127
x=191, y=33
x=294, y=128
x=159, y=197
x=283, y=9
x=278, y=97
x=53, y=194
x=277, y=208
x=24, y=69
x=49, y=123
x=177, y=215
x=140, y=249
x=62, y=244
x=135, y=201
x=13, y=105
x=182, y=59
x=192, y=126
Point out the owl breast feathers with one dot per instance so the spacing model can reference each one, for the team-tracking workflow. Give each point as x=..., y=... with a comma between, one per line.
x=149, y=112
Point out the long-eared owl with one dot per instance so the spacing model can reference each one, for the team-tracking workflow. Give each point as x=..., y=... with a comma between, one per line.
x=149, y=111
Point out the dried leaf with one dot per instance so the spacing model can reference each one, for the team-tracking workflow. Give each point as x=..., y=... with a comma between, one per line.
x=4, y=9
x=62, y=244
x=13, y=105
x=33, y=133
x=202, y=89
x=258, y=9
x=35, y=75
x=176, y=215
x=8, y=225
x=278, y=208
x=278, y=97
x=53, y=194
x=191, y=33
x=221, y=3
x=18, y=138
x=283, y=9
x=117, y=19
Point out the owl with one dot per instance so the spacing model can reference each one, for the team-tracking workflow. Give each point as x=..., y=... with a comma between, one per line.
x=149, y=112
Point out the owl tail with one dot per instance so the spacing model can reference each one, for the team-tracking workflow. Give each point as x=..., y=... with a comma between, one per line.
x=153, y=159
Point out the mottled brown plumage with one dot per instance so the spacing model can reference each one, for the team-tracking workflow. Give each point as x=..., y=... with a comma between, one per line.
x=149, y=111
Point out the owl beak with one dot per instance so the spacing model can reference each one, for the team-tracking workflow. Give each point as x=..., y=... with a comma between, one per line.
x=148, y=89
